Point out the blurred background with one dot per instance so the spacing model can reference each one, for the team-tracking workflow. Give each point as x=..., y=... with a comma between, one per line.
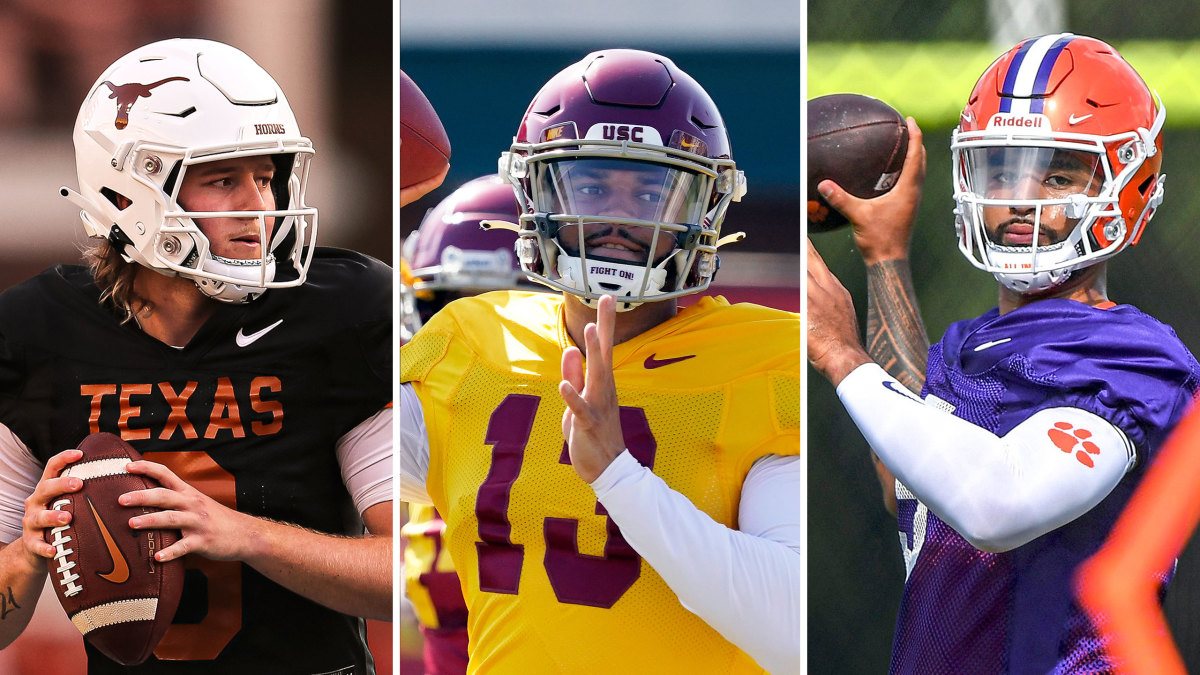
x=334, y=60
x=923, y=59
x=481, y=62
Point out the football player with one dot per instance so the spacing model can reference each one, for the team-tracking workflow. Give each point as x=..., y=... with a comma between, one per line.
x=250, y=369
x=641, y=513
x=1038, y=418
x=452, y=257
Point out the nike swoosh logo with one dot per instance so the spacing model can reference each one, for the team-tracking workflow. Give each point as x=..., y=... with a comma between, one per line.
x=244, y=340
x=890, y=386
x=1073, y=120
x=120, y=570
x=652, y=362
x=993, y=343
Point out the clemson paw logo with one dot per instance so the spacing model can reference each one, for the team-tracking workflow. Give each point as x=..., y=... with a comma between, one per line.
x=1069, y=439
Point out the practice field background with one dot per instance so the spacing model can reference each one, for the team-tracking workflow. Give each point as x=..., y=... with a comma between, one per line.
x=334, y=60
x=923, y=58
x=481, y=62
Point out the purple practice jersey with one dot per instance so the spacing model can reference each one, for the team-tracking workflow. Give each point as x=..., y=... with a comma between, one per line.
x=967, y=611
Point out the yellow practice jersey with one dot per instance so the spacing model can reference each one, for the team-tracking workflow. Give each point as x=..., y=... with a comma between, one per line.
x=551, y=587
x=430, y=581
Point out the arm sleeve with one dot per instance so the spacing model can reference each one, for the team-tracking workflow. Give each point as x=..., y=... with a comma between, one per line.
x=18, y=480
x=997, y=492
x=365, y=457
x=745, y=583
x=414, y=448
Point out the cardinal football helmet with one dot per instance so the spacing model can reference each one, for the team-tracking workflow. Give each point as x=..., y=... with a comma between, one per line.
x=450, y=256
x=633, y=114
x=164, y=108
x=1059, y=127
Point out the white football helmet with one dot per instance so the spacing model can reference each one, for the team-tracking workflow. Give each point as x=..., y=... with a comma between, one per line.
x=164, y=108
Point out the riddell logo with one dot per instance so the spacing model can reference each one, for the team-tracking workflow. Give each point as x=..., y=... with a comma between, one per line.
x=1010, y=121
x=128, y=94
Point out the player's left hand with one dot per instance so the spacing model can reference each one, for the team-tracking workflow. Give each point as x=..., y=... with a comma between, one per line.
x=833, y=346
x=592, y=420
x=208, y=528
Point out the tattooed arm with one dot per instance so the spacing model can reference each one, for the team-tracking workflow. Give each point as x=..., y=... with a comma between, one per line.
x=896, y=340
x=896, y=337
x=24, y=558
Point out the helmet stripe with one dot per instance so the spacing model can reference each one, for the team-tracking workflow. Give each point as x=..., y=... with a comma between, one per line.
x=1028, y=74
x=1010, y=78
x=1043, y=74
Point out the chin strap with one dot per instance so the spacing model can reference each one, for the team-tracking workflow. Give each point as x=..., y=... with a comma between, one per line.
x=251, y=271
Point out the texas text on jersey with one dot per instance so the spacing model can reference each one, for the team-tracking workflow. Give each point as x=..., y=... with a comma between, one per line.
x=250, y=413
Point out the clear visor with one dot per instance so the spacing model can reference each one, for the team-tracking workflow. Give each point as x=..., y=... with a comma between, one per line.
x=624, y=210
x=1031, y=173
x=1030, y=194
x=621, y=188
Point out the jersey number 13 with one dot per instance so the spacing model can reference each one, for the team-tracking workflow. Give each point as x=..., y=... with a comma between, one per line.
x=578, y=579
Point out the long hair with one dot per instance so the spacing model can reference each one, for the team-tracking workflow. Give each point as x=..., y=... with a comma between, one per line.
x=114, y=275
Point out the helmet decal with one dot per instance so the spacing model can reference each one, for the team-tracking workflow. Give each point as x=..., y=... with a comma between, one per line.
x=1028, y=76
x=128, y=94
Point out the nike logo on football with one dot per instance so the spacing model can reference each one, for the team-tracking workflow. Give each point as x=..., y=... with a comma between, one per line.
x=120, y=570
x=1073, y=120
x=244, y=340
x=652, y=362
x=993, y=343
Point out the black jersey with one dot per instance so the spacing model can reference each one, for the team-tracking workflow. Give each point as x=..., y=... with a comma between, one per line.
x=249, y=412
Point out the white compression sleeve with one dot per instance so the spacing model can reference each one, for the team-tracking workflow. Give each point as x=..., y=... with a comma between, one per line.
x=997, y=492
x=18, y=481
x=414, y=448
x=365, y=456
x=745, y=584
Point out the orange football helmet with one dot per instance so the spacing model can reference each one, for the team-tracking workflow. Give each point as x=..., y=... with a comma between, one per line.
x=1057, y=159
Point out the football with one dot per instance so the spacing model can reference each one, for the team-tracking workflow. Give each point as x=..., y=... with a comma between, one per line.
x=424, y=146
x=856, y=141
x=104, y=572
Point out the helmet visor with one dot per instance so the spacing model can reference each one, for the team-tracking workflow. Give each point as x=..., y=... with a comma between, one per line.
x=1031, y=173
x=1027, y=193
x=621, y=188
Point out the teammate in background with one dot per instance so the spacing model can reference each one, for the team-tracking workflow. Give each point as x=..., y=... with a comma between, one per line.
x=451, y=257
x=251, y=369
x=1040, y=417
x=642, y=512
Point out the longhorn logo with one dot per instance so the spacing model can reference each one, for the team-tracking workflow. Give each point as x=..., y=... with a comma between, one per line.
x=128, y=94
